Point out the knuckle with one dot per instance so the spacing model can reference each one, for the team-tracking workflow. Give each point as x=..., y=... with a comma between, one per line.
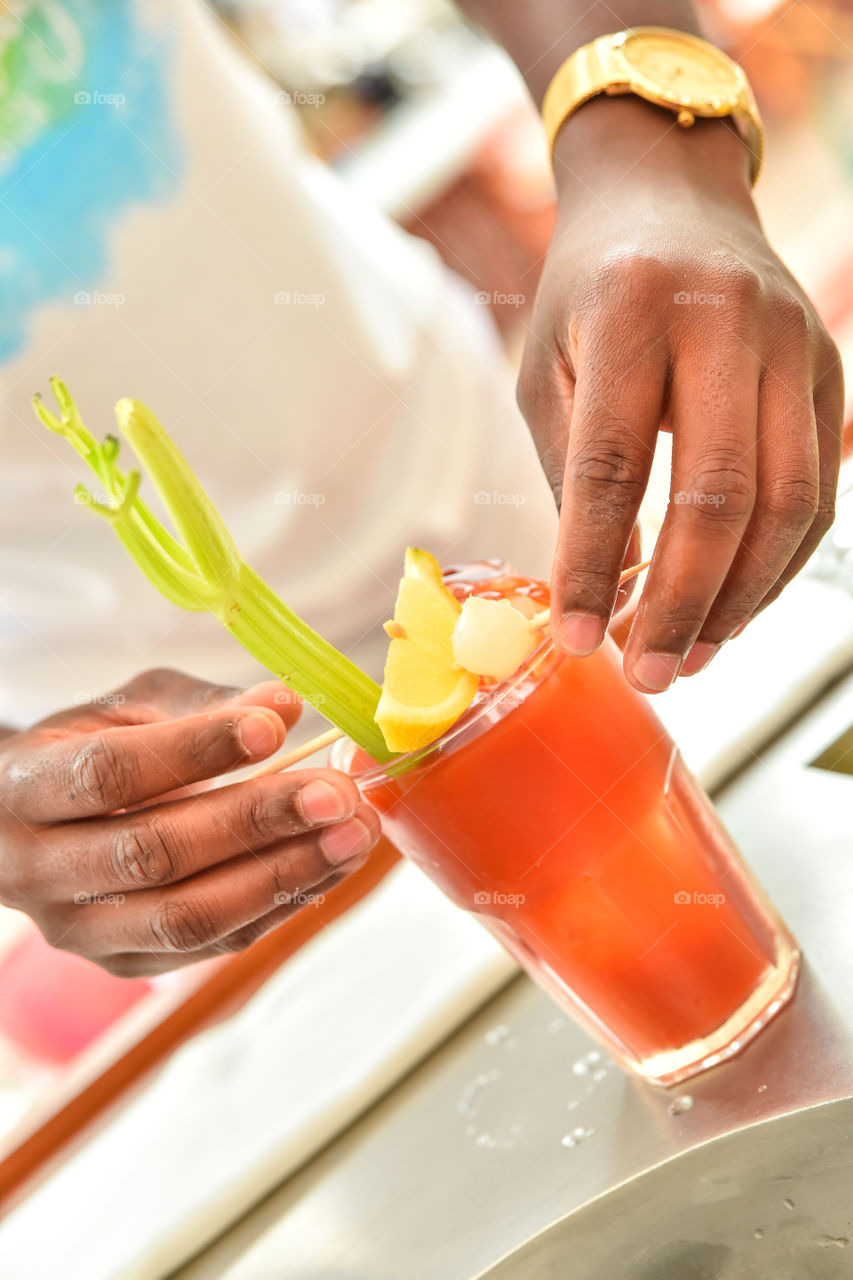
x=99, y=776
x=792, y=316
x=825, y=515
x=267, y=816
x=178, y=925
x=741, y=285
x=608, y=470
x=141, y=855
x=631, y=276
x=792, y=499
x=722, y=493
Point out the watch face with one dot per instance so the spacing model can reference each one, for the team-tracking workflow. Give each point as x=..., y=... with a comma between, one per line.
x=682, y=69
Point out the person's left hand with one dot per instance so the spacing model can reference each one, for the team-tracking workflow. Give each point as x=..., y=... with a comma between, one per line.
x=661, y=304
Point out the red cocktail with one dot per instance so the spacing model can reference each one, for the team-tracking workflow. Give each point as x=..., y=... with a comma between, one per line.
x=558, y=810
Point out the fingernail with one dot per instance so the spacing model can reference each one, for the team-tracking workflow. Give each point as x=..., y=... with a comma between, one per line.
x=656, y=671
x=345, y=841
x=743, y=626
x=699, y=657
x=259, y=734
x=322, y=802
x=580, y=633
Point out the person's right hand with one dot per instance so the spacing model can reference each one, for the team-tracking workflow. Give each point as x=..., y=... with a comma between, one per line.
x=107, y=846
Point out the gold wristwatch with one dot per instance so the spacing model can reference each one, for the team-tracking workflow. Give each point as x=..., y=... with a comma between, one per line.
x=669, y=68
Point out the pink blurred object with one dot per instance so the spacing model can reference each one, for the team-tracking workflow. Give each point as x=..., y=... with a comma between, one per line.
x=53, y=1004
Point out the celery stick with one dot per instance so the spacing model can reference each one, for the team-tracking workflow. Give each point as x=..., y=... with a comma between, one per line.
x=203, y=570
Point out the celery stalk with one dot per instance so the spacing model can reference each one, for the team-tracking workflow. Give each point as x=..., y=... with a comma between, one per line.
x=203, y=570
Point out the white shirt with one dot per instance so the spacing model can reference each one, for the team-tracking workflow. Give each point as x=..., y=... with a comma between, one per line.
x=329, y=380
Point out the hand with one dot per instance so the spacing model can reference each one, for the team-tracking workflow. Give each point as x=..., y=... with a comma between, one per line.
x=662, y=305
x=109, y=844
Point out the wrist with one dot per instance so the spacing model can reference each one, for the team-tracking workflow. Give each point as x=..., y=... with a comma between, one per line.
x=616, y=141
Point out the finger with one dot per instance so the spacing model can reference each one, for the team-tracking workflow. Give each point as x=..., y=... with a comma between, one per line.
x=61, y=779
x=829, y=423
x=611, y=446
x=163, y=694
x=202, y=911
x=633, y=556
x=714, y=411
x=165, y=843
x=141, y=964
x=788, y=486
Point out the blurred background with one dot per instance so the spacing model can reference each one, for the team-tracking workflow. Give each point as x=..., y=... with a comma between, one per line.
x=431, y=124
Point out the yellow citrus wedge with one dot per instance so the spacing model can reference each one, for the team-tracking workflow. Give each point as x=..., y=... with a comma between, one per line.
x=425, y=691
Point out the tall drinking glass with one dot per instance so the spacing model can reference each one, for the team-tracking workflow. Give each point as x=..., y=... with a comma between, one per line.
x=559, y=812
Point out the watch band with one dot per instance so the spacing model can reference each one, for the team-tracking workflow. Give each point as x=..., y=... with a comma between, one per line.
x=586, y=74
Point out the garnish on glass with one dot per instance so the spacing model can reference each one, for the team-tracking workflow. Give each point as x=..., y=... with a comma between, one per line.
x=439, y=649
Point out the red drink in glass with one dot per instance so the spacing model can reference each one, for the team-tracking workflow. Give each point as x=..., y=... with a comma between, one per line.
x=558, y=810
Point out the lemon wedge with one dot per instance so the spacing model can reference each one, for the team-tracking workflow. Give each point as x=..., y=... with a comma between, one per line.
x=425, y=691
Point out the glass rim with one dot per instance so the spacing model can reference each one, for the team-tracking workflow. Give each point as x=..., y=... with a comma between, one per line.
x=377, y=773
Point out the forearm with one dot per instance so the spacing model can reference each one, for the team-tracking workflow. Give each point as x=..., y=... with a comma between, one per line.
x=539, y=35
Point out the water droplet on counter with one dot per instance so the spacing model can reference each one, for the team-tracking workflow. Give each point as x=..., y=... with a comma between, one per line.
x=832, y=1242
x=511, y=1043
x=496, y=1035
x=758, y=1233
x=679, y=1105
x=467, y=1102
x=556, y=1025
x=580, y=1068
x=599, y=1075
x=789, y=1204
x=576, y=1136
x=573, y=1105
